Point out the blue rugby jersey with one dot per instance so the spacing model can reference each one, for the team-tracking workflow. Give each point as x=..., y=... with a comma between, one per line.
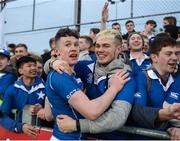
x=173, y=93
x=156, y=94
x=18, y=95
x=60, y=88
x=139, y=66
x=85, y=70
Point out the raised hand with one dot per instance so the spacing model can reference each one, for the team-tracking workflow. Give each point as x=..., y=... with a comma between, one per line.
x=105, y=13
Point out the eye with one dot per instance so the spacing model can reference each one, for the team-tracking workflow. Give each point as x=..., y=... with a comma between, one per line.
x=76, y=44
x=168, y=54
x=97, y=46
x=68, y=44
x=106, y=46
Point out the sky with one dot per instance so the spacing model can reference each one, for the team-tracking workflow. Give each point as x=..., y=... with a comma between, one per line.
x=55, y=13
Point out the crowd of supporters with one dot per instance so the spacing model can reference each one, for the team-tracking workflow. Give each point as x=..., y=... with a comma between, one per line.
x=92, y=85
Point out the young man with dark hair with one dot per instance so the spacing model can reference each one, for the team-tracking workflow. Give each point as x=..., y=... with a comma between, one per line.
x=85, y=42
x=28, y=90
x=163, y=52
x=149, y=29
x=129, y=27
x=116, y=26
x=92, y=34
x=169, y=20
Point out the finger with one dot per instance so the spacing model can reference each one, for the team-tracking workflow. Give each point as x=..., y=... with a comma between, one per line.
x=125, y=75
x=121, y=73
x=59, y=71
x=127, y=79
x=61, y=116
x=32, y=132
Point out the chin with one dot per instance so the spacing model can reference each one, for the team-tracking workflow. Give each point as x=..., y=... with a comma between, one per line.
x=72, y=63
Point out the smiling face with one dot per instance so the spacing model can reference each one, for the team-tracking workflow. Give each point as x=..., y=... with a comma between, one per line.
x=20, y=52
x=135, y=42
x=165, y=61
x=106, y=50
x=28, y=69
x=68, y=48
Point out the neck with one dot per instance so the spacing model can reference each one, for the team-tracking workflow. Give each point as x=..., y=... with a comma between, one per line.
x=28, y=81
x=159, y=70
x=137, y=54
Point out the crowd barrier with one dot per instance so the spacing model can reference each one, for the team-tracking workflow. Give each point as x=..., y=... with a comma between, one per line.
x=45, y=133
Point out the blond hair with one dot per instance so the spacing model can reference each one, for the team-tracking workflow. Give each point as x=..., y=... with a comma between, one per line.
x=110, y=34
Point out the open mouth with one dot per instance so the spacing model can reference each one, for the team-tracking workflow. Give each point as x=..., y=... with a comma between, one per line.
x=172, y=65
x=74, y=56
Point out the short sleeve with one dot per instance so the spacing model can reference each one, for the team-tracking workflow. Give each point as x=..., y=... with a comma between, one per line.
x=64, y=85
x=127, y=93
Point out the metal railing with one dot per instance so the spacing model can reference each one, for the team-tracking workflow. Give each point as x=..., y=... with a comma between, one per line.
x=155, y=134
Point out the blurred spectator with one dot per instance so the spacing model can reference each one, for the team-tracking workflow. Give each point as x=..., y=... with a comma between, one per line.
x=20, y=51
x=85, y=42
x=92, y=33
x=149, y=29
x=47, y=55
x=172, y=30
x=116, y=26
x=169, y=20
x=130, y=28
x=11, y=48
x=6, y=77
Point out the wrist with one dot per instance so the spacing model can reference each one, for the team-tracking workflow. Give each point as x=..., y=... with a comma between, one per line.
x=164, y=114
x=78, y=128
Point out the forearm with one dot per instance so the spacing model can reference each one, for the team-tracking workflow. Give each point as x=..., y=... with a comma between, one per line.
x=10, y=124
x=48, y=112
x=111, y=120
x=100, y=104
x=146, y=117
x=164, y=115
x=103, y=25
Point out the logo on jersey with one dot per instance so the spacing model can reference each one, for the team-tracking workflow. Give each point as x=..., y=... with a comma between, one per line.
x=89, y=78
x=138, y=95
x=174, y=95
x=71, y=93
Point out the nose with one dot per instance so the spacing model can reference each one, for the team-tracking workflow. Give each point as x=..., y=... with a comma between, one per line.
x=175, y=56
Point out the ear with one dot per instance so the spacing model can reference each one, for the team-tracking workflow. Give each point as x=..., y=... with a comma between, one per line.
x=154, y=58
x=119, y=48
x=9, y=62
x=20, y=71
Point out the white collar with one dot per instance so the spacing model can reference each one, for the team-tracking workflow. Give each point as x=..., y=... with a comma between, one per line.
x=153, y=75
x=144, y=57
